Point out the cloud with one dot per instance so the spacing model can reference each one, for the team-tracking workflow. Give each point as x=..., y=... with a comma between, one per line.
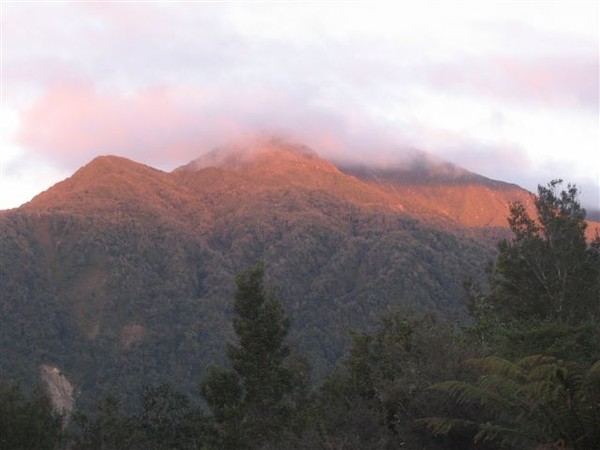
x=558, y=82
x=163, y=83
x=167, y=125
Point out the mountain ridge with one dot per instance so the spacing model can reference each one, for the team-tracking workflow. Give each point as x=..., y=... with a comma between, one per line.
x=122, y=274
x=425, y=189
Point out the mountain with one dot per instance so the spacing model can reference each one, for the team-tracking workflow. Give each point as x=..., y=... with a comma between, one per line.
x=122, y=274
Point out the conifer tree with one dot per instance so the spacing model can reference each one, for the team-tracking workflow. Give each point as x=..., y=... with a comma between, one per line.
x=249, y=403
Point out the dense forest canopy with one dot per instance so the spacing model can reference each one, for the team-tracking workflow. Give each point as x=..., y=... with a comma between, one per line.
x=523, y=372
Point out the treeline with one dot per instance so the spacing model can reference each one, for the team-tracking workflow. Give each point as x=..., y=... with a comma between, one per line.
x=523, y=373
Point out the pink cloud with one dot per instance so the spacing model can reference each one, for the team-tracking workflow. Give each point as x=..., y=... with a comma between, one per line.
x=170, y=125
x=551, y=81
x=76, y=122
x=167, y=126
x=470, y=153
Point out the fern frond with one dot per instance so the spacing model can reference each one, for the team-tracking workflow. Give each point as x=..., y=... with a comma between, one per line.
x=443, y=425
x=544, y=392
x=530, y=361
x=500, y=384
x=537, y=400
x=493, y=364
x=504, y=435
x=465, y=393
x=592, y=377
x=551, y=371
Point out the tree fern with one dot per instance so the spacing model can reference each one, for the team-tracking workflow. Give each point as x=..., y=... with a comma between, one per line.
x=532, y=402
x=499, y=366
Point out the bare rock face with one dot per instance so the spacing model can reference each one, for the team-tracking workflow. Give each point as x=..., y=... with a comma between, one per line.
x=60, y=390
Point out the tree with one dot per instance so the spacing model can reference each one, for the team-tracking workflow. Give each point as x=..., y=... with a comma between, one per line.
x=28, y=422
x=249, y=403
x=544, y=301
x=109, y=429
x=168, y=420
x=535, y=402
x=547, y=271
x=372, y=398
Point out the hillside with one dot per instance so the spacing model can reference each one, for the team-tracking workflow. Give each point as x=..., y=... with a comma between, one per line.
x=122, y=274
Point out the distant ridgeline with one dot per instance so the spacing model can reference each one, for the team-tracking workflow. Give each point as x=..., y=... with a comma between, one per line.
x=122, y=275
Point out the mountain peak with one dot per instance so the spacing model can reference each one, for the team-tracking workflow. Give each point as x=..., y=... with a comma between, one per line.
x=104, y=164
x=256, y=150
x=102, y=182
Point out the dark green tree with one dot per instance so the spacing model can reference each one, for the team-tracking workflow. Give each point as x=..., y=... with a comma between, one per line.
x=108, y=429
x=372, y=398
x=544, y=301
x=168, y=420
x=251, y=403
x=28, y=422
x=548, y=270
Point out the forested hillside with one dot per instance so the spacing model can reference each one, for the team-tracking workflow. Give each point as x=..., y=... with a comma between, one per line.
x=121, y=274
x=524, y=373
x=122, y=277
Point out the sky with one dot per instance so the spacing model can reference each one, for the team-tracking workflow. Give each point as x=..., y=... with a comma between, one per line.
x=507, y=89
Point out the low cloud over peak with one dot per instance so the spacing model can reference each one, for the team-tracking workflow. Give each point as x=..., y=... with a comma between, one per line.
x=505, y=91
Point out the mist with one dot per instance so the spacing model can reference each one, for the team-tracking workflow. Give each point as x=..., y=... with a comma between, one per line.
x=510, y=93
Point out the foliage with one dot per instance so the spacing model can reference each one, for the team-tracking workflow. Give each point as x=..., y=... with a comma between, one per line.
x=127, y=296
x=110, y=429
x=169, y=421
x=580, y=343
x=75, y=285
x=371, y=401
x=534, y=402
x=28, y=422
x=547, y=271
x=166, y=420
x=250, y=403
x=543, y=300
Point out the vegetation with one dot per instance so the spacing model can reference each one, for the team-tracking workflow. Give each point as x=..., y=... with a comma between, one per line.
x=522, y=372
x=28, y=422
x=371, y=400
x=164, y=419
x=535, y=402
x=250, y=403
x=542, y=312
x=547, y=271
x=120, y=303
